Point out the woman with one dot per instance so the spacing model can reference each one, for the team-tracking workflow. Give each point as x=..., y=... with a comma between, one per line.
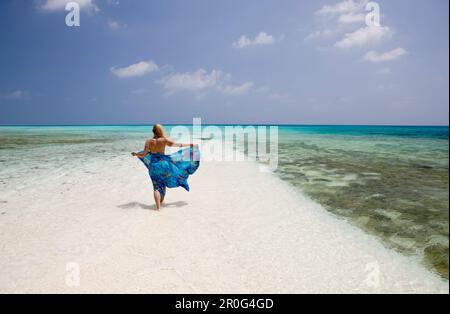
x=167, y=171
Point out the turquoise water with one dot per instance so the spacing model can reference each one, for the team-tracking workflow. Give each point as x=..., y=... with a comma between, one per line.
x=391, y=182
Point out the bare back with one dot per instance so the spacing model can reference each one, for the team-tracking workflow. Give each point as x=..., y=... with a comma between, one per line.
x=158, y=145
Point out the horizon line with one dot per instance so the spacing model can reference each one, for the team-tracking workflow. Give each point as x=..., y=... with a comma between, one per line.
x=225, y=124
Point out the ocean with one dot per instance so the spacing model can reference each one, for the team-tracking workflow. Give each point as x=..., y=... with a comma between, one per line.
x=391, y=182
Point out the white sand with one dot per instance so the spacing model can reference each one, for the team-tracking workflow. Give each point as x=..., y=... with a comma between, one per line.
x=237, y=231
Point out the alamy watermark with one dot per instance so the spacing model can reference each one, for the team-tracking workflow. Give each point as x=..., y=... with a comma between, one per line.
x=73, y=275
x=232, y=143
x=73, y=17
x=373, y=275
x=373, y=18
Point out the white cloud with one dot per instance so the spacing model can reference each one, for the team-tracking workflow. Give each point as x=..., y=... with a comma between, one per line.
x=338, y=16
x=17, y=95
x=363, y=36
x=201, y=81
x=135, y=70
x=190, y=81
x=239, y=89
x=342, y=7
x=138, y=91
x=115, y=25
x=54, y=5
x=374, y=56
x=319, y=34
x=351, y=17
x=112, y=2
x=261, y=39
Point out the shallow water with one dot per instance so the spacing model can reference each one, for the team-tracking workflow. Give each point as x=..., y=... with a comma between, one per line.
x=390, y=181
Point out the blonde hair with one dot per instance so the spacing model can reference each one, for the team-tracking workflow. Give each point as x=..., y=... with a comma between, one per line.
x=158, y=131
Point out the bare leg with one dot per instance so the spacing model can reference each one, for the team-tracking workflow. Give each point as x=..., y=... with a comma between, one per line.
x=157, y=197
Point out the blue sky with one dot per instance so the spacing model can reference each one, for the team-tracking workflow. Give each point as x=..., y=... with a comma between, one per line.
x=226, y=61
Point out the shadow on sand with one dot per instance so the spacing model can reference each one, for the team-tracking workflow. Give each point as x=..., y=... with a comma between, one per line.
x=152, y=207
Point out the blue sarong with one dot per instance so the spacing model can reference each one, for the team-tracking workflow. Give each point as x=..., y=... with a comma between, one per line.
x=172, y=171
